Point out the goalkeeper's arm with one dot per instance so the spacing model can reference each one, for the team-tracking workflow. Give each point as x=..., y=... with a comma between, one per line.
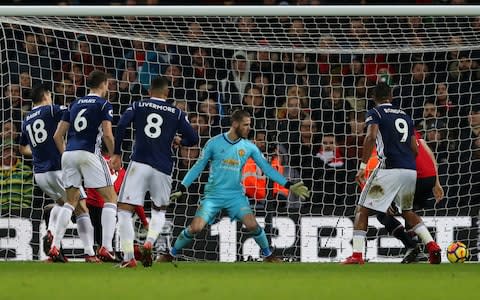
x=193, y=173
x=298, y=188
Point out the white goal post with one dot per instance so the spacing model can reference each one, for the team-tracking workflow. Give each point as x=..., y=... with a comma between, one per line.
x=305, y=73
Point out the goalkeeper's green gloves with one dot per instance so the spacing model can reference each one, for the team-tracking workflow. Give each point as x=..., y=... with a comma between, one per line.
x=299, y=189
x=179, y=193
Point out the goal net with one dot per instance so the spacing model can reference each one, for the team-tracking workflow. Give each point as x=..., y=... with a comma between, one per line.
x=306, y=79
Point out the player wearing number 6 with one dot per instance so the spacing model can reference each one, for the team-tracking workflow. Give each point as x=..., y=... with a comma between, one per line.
x=87, y=121
x=394, y=179
x=156, y=123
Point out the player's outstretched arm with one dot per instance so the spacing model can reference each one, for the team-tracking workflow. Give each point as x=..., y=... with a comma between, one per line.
x=178, y=193
x=368, y=145
x=298, y=188
x=413, y=145
x=59, y=136
x=189, y=135
x=108, y=139
x=194, y=172
x=438, y=192
x=123, y=123
x=25, y=149
x=107, y=119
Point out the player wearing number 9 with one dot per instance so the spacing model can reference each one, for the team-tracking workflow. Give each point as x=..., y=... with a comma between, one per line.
x=156, y=123
x=394, y=179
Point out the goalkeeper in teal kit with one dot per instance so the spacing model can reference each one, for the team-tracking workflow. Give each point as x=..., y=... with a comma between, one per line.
x=227, y=154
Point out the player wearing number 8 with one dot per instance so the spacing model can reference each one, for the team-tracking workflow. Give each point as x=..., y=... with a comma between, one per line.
x=87, y=121
x=394, y=179
x=156, y=123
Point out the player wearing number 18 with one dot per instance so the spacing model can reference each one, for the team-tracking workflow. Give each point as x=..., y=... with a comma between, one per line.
x=156, y=123
x=37, y=141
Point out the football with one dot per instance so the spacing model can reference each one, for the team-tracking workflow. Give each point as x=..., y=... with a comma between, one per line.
x=457, y=252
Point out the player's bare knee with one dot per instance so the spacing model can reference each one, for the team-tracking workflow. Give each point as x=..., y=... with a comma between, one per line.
x=80, y=211
x=252, y=227
x=81, y=208
x=359, y=212
x=126, y=207
x=72, y=202
x=408, y=214
x=195, y=228
x=197, y=225
x=411, y=217
x=250, y=222
x=73, y=195
x=112, y=196
x=108, y=194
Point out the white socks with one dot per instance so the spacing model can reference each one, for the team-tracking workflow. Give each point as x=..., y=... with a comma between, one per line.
x=422, y=231
x=85, y=231
x=156, y=223
x=127, y=234
x=359, y=241
x=64, y=216
x=109, y=220
x=52, y=219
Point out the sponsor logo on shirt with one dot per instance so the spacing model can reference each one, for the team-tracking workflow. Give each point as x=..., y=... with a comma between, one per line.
x=231, y=162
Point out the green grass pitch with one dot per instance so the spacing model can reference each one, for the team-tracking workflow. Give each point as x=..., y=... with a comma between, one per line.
x=36, y=280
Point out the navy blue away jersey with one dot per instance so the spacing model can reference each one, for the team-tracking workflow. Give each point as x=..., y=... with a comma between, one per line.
x=38, y=129
x=85, y=116
x=395, y=131
x=156, y=123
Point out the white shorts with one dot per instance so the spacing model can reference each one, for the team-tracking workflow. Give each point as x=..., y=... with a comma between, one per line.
x=51, y=184
x=387, y=185
x=140, y=179
x=81, y=165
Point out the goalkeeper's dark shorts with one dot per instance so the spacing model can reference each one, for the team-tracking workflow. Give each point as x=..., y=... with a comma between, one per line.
x=423, y=198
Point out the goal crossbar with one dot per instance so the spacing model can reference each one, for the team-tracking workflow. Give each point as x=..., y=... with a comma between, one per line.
x=247, y=10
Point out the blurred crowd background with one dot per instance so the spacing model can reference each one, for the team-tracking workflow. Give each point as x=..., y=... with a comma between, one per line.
x=308, y=108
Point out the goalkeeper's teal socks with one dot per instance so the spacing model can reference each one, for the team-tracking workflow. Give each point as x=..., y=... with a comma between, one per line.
x=186, y=237
x=183, y=240
x=261, y=238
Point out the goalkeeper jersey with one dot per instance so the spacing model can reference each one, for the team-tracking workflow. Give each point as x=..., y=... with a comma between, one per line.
x=227, y=159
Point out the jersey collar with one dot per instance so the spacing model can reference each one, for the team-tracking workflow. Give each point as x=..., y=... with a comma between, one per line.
x=229, y=141
x=159, y=99
x=385, y=104
x=93, y=94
